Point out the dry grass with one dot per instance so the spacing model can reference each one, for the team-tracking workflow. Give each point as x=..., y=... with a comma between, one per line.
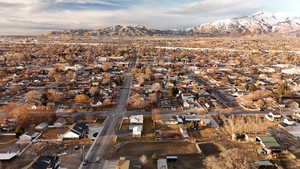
x=229, y=159
x=246, y=124
x=53, y=133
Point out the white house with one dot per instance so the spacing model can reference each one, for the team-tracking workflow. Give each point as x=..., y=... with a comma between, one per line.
x=8, y=155
x=79, y=130
x=28, y=137
x=136, y=125
x=162, y=164
x=137, y=131
x=42, y=126
x=137, y=119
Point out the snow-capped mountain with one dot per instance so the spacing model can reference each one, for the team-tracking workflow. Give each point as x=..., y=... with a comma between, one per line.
x=257, y=23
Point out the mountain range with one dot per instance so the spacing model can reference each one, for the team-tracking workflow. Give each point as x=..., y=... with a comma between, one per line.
x=118, y=30
x=257, y=23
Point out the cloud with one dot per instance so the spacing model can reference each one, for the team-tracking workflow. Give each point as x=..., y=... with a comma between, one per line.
x=208, y=8
x=35, y=16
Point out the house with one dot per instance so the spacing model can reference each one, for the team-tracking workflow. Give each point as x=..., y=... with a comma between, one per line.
x=8, y=124
x=78, y=131
x=46, y=162
x=265, y=164
x=162, y=164
x=294, y=130
x=42, y=126
x=137, y=131
x=8, y=155
x=60, y=122
x=136, y=125
x=269, y=144
x=28, y=137
x=136, y=120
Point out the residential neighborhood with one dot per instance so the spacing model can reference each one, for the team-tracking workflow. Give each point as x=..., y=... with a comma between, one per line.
x=158, y=102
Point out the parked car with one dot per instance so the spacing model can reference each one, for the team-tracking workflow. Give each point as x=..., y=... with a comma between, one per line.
x=296, y=116
x=273, y=116
x=288, y=121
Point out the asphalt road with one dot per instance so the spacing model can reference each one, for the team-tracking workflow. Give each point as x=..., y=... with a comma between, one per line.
x=94, y=158
x=216, y=93
x=255, y=78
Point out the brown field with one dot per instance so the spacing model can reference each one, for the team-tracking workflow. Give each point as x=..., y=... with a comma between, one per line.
x=53, y=133
x=188, y=156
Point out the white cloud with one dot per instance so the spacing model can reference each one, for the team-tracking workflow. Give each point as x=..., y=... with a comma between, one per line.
x=35, y=16
x=104, y=2
x=218, y=7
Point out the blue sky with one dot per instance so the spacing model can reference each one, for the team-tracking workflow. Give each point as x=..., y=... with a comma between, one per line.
x=39, y=16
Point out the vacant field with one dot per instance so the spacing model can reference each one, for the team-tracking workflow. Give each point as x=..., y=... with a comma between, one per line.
x=148, y=148
x=6, y=141
x=53, y=133
x=188, y=155
x=209, y=149
x=148, y=125
x=193, y=161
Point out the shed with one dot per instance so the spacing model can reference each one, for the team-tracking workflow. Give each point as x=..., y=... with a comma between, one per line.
x=172, y=158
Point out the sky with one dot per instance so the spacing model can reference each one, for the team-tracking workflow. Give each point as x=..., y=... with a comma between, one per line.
x=29, y=17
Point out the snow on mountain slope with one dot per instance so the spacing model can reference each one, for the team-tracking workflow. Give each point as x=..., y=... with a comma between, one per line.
x=257, y=23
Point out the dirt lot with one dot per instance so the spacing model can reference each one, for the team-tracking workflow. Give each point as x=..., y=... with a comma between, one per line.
x=148, y=125
x=6, y=141
x=188, y=155
x=193, y=161
x=148, y=148
x=209, y=149
x=53, y=133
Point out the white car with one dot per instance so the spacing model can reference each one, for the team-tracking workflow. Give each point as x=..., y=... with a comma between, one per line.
x=269, y=117
x=289, y=121
x=296, y=116
x=273, y=116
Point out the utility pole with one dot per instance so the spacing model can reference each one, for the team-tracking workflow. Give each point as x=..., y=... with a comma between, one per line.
x=82, y=153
